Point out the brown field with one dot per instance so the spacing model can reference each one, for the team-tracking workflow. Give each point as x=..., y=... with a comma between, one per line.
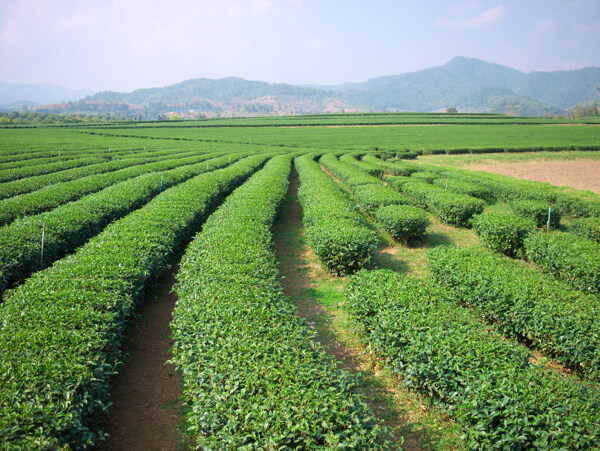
x=576, y=174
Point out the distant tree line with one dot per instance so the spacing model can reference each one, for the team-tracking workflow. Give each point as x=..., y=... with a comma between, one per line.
x=585, y=111
x=30, y=117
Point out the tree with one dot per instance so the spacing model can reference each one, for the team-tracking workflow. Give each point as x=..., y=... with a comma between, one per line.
x=451, y=110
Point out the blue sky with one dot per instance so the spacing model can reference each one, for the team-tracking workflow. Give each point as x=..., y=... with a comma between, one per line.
x=127, y=44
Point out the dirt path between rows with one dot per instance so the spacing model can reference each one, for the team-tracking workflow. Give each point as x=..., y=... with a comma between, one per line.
x=146, y=394
x=296, y=271
x=576, y=174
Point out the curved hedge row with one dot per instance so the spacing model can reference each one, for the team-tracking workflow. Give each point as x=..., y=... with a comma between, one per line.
x=54, y=195
x=405, y=223
x=452, y=208
x=254, y=376
x=61, y=330
x=480, y=379
x=399, y=168
x=337, y=233
x=8, y=175
x=29, y=184
x=523, y=303
x=537, y=211
x=462, y=187
x=371, y=169
x=503, y=232
x=571, y=258
x=368, y=190
x=72, y=224
x=587, y=228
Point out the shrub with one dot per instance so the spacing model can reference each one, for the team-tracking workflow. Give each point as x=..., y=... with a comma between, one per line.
x=59, y=352
x=371, y=197
x=397, y=181
x=587, y=227
x=452, y=208
x=568, y=257
x=425, y=176
x=503, y=232
x=335, y=229
x=537, y=211
x=524, y=303
x=404, y=222
x=462, y=187
x=485, y=382
x=255, y=377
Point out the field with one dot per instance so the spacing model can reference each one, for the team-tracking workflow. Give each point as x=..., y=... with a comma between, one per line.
x=368, y=281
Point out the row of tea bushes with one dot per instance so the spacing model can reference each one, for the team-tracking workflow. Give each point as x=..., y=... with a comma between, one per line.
x=462, y=187
x=371, y=169
x=452, y=208
x=587, y=228
x=61, y=330
x=483, y=381
x=403, y=222
x=397, y=168
x=17, y=173
x=336, y=230
x=71, y=225
x=503, y=232
x=29, y=184
x=254, y=375
x=54, y=195
x=368, y=190
x=524, y=303
x=571, y=258
x=509, y=189
x=538, y=211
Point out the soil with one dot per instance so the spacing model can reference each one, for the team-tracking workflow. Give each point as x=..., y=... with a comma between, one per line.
x=583, y=175
x=146, y=394
x=297, y=273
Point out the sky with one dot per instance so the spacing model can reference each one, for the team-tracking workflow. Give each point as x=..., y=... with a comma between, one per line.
x=122, y=45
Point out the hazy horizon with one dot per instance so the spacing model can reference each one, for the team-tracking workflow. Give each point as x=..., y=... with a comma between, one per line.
x=125, y=45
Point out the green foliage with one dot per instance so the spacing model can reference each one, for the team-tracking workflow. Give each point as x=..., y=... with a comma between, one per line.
x=503, y=232
x=462, y=187
x=397, y=181
x=523, y=303
x=283, y=391
x=371, y=169
x=395, y=168
x=335, y=229
x=425, y=176
x=371, y=197
x=537, y=211
x=484, y=382
x=587, y=227
x=62, y=329
x=53, y=196
x=72, y=224
x=404, y=222
x=571, y=258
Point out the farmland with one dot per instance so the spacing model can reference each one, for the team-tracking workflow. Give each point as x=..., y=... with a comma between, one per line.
x=339, y=281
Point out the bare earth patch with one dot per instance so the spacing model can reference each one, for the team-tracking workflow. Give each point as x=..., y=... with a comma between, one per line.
x=583, y=175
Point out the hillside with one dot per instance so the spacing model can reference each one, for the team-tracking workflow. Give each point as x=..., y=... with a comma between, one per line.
x=457, y=83
x=469, y=84
x=231, y=96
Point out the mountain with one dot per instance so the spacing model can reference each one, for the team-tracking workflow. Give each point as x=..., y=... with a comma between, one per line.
x=469, y=84
x=457, y=83
x=230, y=96
x=26, y=94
